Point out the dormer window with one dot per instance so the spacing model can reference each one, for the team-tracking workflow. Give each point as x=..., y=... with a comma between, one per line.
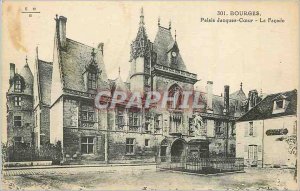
x=18, y=86
x=92, y=81
x=279, y=106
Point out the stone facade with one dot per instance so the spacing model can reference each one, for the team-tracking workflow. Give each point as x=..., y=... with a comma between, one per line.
x=20, y=106
x=64, y=108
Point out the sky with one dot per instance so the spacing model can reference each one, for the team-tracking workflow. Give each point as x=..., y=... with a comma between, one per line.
x=264, y=56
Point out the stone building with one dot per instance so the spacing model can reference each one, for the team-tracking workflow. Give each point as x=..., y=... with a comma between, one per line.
x=267, y=126
x=63, y=104
x=19, y=106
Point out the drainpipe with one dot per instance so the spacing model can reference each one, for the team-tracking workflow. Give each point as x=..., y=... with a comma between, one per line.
x=263, y=145
x=106, y=141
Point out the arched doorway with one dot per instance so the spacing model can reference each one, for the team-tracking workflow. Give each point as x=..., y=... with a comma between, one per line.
x=163, y=150
x=178, y=150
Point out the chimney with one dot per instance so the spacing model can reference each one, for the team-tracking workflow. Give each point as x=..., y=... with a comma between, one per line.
x=101, y=47
x=226, y=100
x=12, y=70
x=62, y=30
x=252, y=98
x=209, y=93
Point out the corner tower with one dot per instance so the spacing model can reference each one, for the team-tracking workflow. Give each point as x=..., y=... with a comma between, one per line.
x=140, y=59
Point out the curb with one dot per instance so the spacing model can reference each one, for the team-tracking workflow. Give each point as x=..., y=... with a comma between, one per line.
x=74, y=166
x=197, y=174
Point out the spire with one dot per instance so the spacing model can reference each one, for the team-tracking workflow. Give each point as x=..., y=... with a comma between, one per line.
x=142, y=17
x=241, y=86
x=139, y=45
x=170, y=25
x=158, y=22
x=119, y=71
x=175, y=35
x=93, y=54
x=26, y=60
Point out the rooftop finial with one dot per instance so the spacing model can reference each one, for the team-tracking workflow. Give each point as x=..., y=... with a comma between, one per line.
x=26, y=59
x=119, y=70
x=142, y=16
x=175, y=35
x=261, y=92
x=158, y=21
x=241, y=86
x=93, y=52
x=170, y=25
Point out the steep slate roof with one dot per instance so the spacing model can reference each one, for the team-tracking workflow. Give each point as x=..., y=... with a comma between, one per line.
x=45, y=80
x=162, y=44
x=264, y=109
x=75, y=57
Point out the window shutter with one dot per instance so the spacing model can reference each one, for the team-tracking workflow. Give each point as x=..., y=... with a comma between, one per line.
x=246, y=130
x=254, y=131
x=245, y=148
x=259, y=148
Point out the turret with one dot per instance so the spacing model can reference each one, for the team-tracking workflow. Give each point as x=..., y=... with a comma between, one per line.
x=140, y=58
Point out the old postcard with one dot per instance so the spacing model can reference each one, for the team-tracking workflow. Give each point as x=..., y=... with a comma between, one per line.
x=156, y=95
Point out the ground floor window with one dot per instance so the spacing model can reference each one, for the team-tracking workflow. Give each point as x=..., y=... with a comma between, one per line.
x=129, y=146
x=17, y=121
x=18, y=141
x=87, y=145
x=252, y=152
x=147, y=142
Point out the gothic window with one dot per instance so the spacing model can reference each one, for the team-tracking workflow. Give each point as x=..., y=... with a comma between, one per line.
x=157, y=123
x=129, y=146
x=175, y=122
x=87, y=116
x=17, y=100
x=87, y=145
x=17, y=121
x=92, y=81
x=176, y=93
x=120, y=120
x=18, y=86
x=134, y=120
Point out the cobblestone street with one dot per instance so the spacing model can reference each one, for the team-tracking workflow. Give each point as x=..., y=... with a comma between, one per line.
x=143, y=178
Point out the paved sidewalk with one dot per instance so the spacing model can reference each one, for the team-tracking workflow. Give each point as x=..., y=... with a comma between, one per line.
x=77, y=166
x=75, y=169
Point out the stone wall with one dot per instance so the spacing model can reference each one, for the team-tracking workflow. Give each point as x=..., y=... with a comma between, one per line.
x=26, y=113
x=117, y=146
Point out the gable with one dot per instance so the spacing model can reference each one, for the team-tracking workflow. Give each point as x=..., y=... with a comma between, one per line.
x=264, y=109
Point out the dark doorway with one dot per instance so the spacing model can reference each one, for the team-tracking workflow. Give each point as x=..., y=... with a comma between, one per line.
x=177, y=150
x=163, y=153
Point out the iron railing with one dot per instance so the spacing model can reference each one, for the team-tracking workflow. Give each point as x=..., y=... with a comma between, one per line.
x=200, y=165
